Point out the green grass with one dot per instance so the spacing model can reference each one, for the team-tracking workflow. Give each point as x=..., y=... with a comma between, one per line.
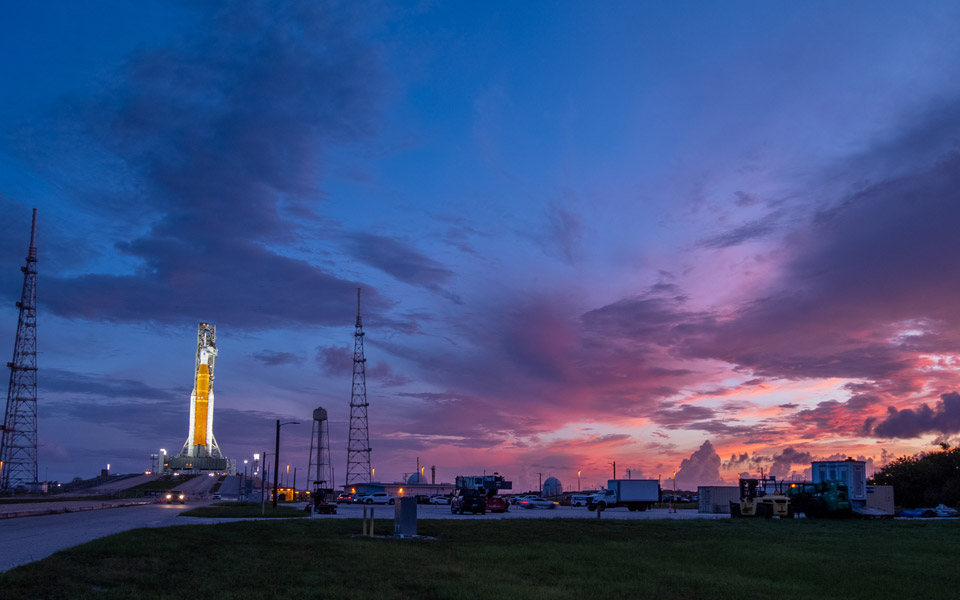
x=243, y=510
x=162, y=485
x=509, y=559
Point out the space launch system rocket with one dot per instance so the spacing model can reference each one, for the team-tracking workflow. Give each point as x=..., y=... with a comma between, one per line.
x=200, y=441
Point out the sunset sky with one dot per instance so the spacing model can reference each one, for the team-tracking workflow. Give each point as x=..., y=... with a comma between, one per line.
x=704, y=237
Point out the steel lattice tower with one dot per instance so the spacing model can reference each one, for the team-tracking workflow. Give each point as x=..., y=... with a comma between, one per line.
x=358, y=449
x=18, y=446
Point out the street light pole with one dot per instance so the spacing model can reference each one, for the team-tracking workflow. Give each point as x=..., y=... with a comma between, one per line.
x=276, y=459
x=578, y=481
x=263, y=478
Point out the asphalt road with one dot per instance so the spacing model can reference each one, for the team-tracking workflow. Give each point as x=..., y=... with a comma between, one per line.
x=31, y=538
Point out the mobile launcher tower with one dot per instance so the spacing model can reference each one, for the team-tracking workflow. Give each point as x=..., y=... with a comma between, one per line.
x=201, y=452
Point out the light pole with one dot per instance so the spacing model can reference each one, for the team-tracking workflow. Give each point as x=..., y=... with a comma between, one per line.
x=256, y=464
x=578, y=480
x=614, y=463
x=540, y=492
x=276, y=458
x=243, y=484
x=163, y=460
x=263, y=479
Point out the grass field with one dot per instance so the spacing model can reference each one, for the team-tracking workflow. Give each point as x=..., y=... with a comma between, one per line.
x=510, y=559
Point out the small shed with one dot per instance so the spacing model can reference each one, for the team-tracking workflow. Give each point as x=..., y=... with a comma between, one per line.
x=880, y=497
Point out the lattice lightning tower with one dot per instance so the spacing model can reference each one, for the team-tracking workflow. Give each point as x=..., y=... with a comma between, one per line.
x=358, y=449
x=18, y=445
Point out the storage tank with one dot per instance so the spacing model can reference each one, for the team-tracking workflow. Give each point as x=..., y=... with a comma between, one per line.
x=552, y=488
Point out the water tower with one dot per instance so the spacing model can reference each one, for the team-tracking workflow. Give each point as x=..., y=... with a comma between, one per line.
x=319, y=465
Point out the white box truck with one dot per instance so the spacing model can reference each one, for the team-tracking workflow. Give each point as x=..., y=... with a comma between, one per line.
x=635, y=494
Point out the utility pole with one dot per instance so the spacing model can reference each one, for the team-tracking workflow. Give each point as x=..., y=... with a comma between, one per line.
x=541, y=484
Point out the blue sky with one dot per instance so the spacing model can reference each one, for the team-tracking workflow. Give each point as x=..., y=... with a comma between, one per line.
x=672, y=236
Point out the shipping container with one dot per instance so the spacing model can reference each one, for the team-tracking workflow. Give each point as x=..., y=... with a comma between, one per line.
x=716, y=499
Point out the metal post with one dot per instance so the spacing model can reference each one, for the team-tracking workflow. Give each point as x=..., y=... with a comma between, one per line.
x=263, y=477
x=276, y=465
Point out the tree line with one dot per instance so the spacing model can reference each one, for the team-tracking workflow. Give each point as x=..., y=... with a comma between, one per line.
x=925, y=479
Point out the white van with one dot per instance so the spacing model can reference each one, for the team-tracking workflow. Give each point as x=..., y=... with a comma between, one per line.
x=579, y=499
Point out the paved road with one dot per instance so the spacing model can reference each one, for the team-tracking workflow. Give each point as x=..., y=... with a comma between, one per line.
x=32, y=538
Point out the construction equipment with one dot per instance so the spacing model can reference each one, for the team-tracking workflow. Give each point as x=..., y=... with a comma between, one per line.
x=763, y=498
x=819, y=500
x=478, y=493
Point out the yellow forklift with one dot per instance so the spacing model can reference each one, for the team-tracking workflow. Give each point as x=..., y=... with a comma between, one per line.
x=762, y=498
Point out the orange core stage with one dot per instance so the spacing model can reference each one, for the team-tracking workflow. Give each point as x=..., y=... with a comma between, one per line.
x=200, y=420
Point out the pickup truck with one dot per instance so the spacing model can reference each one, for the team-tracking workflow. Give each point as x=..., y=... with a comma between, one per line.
x=469, y=500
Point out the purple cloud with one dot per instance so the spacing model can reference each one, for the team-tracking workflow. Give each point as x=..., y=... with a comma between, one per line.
x=944, y=418
x=273, y=359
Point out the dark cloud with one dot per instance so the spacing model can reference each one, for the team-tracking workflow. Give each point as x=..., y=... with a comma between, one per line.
x=381, y=374
x=397, y=260
x=744, y=233
x=562, y=234
x=272, y=359
x=943, y=418
x=103, y=386
x=218, y=139
x=674, y=418
x=335, y=360
x=783, y=463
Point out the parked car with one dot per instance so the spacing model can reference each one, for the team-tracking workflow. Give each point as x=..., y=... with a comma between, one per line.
x=469, y=500
x=497, y=504
x=536, y=502
x=344, y=497
x=175, y=496
x=440, y=500
x=216, y=496
x=377, y=498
